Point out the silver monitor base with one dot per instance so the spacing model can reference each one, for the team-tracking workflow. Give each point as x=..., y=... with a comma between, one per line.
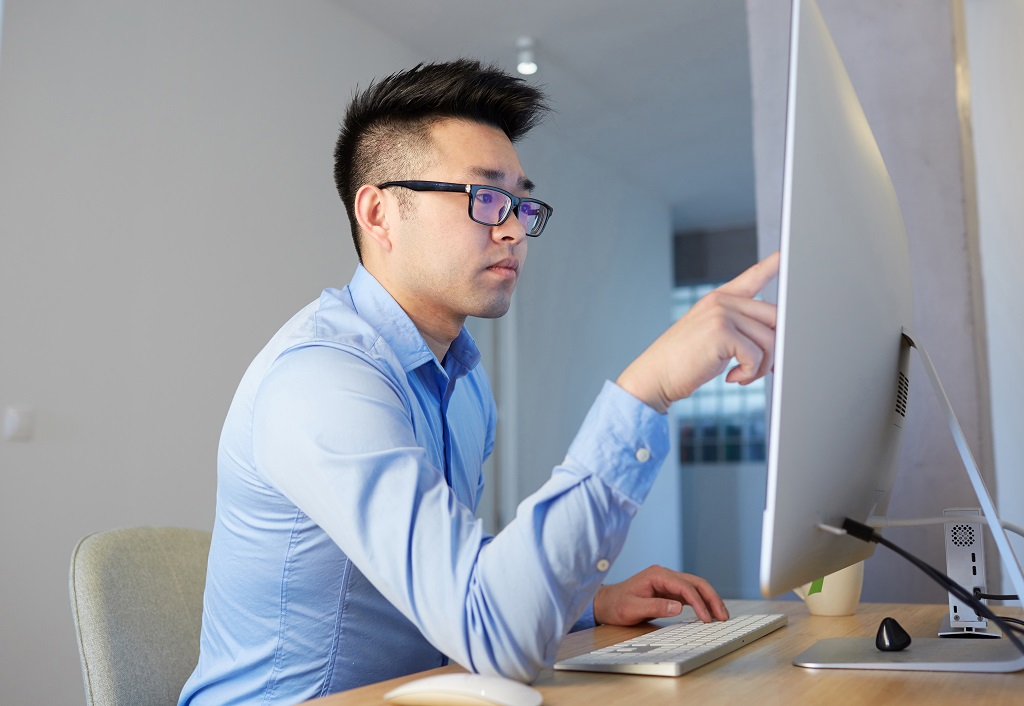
x=933, y=654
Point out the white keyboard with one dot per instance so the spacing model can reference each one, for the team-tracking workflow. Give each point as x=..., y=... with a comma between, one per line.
x=676, y=649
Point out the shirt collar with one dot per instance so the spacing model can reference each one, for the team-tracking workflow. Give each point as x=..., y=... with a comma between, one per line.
x=378, y=308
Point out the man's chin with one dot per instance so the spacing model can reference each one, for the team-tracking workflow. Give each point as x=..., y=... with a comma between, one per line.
x=493, y=310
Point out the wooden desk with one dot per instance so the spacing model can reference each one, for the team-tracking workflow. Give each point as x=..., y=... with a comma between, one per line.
x=760, y=674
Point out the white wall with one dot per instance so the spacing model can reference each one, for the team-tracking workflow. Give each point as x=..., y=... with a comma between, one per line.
x=595, y=292
x=996, y=59
x=166, y=202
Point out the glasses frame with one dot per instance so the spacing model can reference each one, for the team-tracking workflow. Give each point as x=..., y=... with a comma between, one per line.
x=471, y=190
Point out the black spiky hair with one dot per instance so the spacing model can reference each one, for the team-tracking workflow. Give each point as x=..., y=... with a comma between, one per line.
x=385, y=128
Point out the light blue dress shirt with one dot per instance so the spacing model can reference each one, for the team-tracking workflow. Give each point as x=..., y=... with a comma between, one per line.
x=345, y=548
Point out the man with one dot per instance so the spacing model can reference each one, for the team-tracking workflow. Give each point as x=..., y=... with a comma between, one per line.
x=345, y=548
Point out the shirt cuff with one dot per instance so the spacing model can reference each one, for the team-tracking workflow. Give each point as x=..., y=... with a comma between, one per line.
x=586, y=621
x=622, y=441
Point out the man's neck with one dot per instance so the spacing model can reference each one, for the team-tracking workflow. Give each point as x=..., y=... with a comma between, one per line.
x=437, y=330
x=438, y=346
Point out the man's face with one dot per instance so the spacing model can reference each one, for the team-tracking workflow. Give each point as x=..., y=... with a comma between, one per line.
x=444, y=266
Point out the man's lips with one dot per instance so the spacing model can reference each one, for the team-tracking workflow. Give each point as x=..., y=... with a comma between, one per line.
x=503, y=266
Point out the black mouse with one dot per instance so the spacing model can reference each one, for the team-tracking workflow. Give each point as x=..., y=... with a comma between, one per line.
x=891, y=636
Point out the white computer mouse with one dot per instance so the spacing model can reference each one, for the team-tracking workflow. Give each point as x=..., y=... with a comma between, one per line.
x=464, y=690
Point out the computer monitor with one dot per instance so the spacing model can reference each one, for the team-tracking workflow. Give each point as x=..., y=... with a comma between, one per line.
x=841, y=383
x=839, y=390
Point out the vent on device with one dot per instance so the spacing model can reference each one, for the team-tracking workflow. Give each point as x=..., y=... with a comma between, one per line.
x=902, y=394
x=962, y=535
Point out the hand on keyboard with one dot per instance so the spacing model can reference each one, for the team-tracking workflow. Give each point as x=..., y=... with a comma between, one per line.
x=657, y=592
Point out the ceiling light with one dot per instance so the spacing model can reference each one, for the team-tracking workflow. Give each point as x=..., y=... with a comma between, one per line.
x=525, y=63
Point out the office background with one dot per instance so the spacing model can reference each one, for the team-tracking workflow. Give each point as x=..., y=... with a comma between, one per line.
x=166, y=203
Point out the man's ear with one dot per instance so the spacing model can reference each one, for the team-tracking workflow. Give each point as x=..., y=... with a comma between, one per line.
x=373, y=207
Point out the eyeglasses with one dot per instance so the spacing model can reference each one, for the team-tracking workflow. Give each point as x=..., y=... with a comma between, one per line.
x=489, y=205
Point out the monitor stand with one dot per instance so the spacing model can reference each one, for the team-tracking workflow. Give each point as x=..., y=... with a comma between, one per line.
x=934, y=654
x=929, y=654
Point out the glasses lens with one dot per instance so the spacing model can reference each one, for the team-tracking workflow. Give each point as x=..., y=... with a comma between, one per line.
x=532, y=215
x=490, y=206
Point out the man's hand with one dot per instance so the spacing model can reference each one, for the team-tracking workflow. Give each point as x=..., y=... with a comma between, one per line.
x=657, y=592
x=727, y=323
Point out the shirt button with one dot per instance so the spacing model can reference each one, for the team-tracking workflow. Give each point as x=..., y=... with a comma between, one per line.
x=643, y=455
x=603, y=565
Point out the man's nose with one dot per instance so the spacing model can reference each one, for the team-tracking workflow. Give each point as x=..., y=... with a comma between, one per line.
x=511, y=229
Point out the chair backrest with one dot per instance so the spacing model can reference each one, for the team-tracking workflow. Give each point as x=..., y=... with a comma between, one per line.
x=137, y=601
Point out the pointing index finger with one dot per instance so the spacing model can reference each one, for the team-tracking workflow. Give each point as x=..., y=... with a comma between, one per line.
x=750, y=282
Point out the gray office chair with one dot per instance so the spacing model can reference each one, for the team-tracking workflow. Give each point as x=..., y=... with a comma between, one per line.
x=137, y=601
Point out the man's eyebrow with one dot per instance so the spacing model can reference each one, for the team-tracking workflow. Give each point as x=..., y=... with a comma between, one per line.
x=496, y=175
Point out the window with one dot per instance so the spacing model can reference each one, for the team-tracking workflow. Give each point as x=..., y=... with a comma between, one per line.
x=721, y=422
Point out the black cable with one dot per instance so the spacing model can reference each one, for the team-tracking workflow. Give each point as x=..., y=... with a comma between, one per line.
x=1012, y=620
x=867, y=534
x=953, y=587
x=958, y=591
x=994, y=596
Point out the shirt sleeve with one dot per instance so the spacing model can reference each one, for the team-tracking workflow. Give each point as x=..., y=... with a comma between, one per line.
x=585, y=621
x=333, y=433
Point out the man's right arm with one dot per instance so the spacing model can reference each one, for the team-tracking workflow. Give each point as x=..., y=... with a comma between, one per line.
x=333, y=434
